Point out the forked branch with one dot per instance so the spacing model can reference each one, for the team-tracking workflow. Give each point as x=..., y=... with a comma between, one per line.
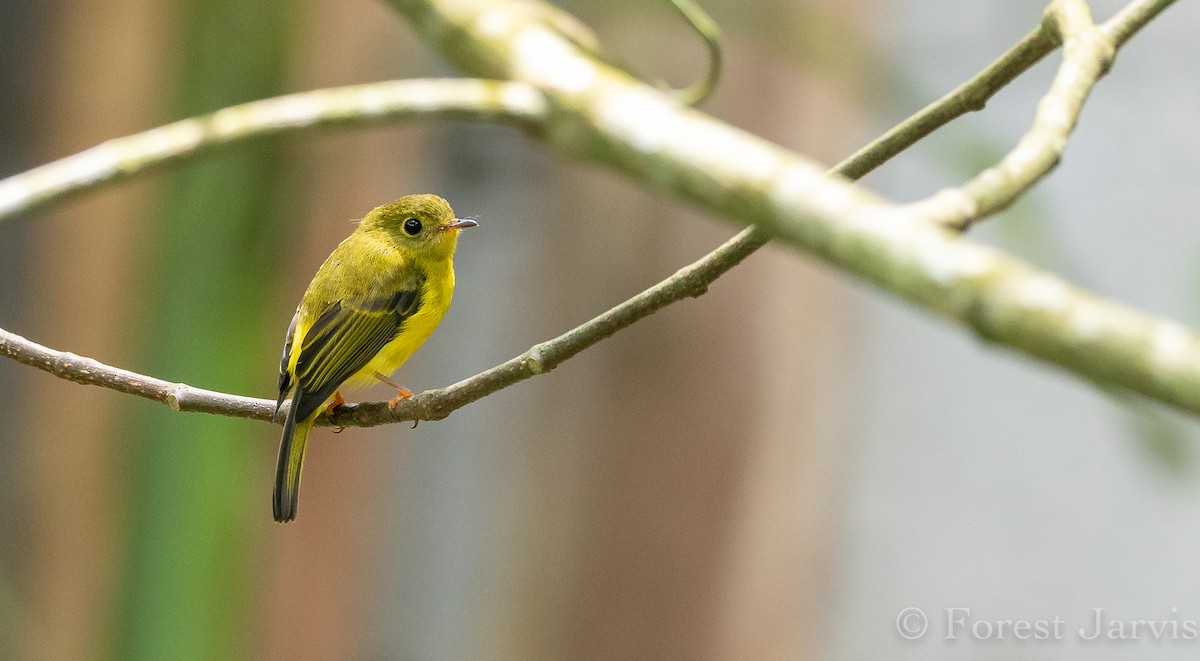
x=587, y=108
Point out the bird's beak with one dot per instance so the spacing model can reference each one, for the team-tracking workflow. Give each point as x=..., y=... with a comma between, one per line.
x=460, y=224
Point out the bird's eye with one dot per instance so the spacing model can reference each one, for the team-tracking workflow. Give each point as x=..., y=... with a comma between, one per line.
x=412, y=226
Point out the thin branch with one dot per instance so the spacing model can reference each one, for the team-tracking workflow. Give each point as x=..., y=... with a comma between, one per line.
x=389, y=101
x=1133, y=17
x=1086, y=57
x=972, y=95
x=690, y=281
x=88, y=371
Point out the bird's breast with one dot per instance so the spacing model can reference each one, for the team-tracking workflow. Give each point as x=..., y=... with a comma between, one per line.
x=435, y=300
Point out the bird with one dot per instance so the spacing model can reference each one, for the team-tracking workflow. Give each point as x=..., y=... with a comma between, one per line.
x=373, y=302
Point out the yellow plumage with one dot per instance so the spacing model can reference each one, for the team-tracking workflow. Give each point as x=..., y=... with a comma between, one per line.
x=374, y=301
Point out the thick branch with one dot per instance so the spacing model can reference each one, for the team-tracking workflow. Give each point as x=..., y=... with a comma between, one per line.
x=602, y=114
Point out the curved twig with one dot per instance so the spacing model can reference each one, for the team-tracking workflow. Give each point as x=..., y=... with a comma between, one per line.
x=710, y=32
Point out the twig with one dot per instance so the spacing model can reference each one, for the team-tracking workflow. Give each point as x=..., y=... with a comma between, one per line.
x=1086, y=57
x=1088, y=54
x=710, y=32
x=972, y=95
x=1133, y=17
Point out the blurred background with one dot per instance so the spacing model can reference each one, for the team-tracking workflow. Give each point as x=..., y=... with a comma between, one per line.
x=774, y=471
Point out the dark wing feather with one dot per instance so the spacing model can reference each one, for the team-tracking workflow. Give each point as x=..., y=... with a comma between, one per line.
x=285, y=377
x=344, y=338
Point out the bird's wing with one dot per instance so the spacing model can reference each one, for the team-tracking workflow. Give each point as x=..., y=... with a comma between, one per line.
x=285, y=375
x=345, y=335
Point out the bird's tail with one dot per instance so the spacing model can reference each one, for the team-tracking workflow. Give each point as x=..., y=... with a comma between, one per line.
x=291, y=461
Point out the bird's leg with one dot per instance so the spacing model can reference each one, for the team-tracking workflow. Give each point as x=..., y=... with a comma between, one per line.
x=402, y=393
x=337, y=401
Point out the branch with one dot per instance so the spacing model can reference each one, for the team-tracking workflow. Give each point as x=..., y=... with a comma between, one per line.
x=1133, y=17
x=88, y=371
x=988, y=307
x=1087, y=55
x=693, y=280
x=463, y=99
x=690, y=281
x=601, y=114
x=972, y=95
x=390, y=101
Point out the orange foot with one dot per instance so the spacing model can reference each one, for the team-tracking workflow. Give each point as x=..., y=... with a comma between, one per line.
x=402, y=393
x=337, y=401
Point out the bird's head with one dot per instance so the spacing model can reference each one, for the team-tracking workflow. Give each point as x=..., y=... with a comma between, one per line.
x=423, y=224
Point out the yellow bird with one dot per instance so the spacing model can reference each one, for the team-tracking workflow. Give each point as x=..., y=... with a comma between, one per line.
x=373, y=302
